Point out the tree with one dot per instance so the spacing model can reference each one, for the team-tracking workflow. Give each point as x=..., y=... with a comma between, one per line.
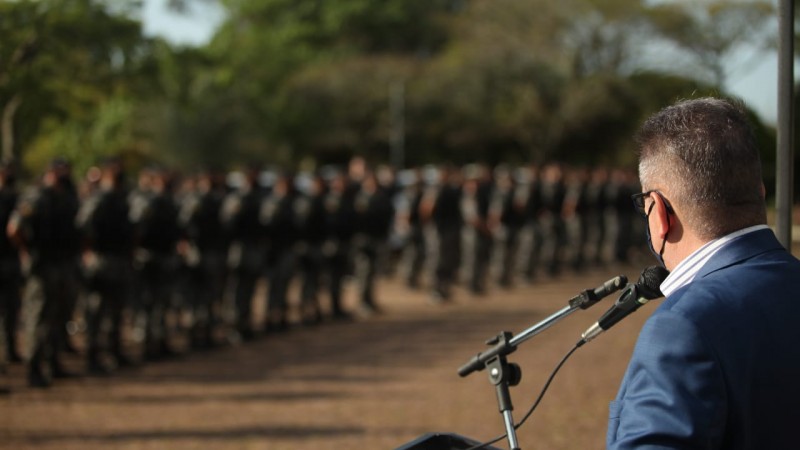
x=288, y=80
x=269, y=51
x=61, y=62
x=708, y=32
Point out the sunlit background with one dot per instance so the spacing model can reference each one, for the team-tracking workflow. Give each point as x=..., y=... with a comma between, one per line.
x=302, y=84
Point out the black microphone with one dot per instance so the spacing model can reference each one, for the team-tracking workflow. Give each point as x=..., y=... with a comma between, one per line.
x=632, y=298
x=589, y=297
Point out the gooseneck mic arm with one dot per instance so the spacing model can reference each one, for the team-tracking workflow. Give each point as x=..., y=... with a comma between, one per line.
x=504, y=346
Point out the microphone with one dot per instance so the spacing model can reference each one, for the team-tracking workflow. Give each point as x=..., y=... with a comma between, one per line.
x=631, y=299
x=589, y=297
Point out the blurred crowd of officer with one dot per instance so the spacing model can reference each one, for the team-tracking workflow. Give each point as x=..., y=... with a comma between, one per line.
x=148, y=269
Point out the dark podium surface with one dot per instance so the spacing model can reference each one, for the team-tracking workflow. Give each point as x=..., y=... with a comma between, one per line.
x=441, y=441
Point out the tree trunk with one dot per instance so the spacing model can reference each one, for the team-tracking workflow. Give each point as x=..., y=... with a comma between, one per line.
x=7, y=130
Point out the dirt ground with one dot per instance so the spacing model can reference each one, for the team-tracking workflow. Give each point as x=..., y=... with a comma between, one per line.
x=376, y=382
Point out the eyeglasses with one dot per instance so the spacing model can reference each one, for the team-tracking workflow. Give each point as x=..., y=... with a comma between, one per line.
x=638, y=202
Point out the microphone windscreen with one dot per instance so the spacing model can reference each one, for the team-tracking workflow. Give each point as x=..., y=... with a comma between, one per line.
x=650, y=282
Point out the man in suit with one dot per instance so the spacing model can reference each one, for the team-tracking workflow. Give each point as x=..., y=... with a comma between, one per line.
x=717, y=364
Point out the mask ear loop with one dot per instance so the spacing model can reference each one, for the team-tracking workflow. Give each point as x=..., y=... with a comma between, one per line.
x=663, y=244
x=660, y=254
x=669, y=227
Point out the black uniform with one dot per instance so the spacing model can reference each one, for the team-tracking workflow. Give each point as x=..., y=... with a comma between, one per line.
x=575, y=216
x=533, y=211
x=619, y=194
x=105, y=221
x=339, y=230
x=278, y=217
x=10, y=279
x=595, y=213
x=374, y=213
x=511, y=199
x=310, y=217
x=484, y=237
x=240, y=217
x=45, y=224
x=201, y=219
x=553, y=193
x=416, y=233
x=156, y=259
x=447, y=218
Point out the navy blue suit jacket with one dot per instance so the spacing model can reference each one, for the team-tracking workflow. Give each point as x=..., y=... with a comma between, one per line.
x=717, y=365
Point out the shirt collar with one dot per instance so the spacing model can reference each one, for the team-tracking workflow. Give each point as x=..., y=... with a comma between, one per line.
x=687, y=269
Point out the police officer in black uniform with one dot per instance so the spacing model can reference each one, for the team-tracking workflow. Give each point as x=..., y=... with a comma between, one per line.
x=10, y=271
x=278, y=217
x=575, y=215
x=310, y=216
x=104, y=219
x=204, y=254
x=476, y=201
x=533, y=211
x=373, y=213
x=240, y=216
x=509, y=203
x=551, y=217
x=622, y=185
x=443, y=206
x=43, y=227
x=155, y=216
x=339, y=223
x=10, y=277
x=417, y=244
x=596, y=207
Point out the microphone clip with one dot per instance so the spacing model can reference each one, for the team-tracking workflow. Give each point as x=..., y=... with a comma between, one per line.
x=501, y=346
x=584, y=300
x=589, y=297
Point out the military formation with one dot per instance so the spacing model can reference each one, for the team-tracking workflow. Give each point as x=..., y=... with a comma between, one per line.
x=123, y=271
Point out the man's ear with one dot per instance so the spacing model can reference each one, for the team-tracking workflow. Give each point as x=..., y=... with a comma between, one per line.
x=660, y=218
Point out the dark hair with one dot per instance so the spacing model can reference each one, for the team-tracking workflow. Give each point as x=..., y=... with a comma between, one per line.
x=704, y=153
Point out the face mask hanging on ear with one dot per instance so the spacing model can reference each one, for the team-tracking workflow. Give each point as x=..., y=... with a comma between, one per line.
x=658, y=254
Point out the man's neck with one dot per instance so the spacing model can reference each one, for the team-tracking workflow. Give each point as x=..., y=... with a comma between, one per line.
x=679, y=251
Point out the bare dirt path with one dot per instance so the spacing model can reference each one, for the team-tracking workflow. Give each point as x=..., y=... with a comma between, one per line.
x=374, y=383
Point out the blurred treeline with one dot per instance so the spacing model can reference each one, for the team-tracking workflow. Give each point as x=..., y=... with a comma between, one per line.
x=301, y=83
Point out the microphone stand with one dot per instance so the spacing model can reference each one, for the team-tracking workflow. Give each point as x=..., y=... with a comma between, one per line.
x=503, y=374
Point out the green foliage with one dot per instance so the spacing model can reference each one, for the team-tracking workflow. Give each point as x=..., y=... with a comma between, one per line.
x=108, y=132
x=69, y=65
x=285, y=81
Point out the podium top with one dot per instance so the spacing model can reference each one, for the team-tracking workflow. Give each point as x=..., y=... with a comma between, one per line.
x=441, y=441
